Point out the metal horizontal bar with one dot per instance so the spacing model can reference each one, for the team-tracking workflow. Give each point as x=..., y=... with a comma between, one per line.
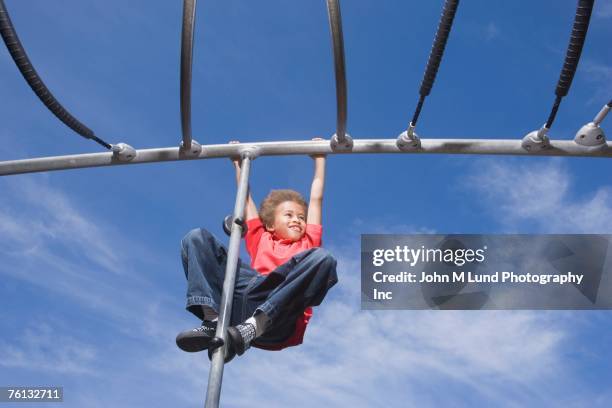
x=438, y=146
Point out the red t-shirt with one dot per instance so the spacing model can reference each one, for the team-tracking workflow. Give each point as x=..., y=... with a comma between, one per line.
x=268, y=252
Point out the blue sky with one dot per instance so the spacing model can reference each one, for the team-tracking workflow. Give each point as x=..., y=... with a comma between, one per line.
x=91, y=282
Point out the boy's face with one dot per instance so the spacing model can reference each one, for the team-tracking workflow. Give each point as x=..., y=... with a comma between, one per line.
x=289, y=221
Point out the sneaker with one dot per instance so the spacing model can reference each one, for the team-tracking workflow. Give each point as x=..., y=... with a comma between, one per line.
x=238, y=341
x=240, y=337
x=197, y=339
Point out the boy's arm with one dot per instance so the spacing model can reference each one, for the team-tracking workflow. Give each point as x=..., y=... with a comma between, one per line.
x=250, y=209
x=316, y=191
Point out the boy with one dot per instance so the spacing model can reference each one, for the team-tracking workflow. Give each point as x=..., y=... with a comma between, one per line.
x=289, y=273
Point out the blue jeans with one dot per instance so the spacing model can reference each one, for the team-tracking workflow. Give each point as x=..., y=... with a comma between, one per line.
x=283, y=294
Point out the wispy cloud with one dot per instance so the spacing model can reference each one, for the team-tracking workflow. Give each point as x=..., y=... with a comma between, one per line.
x=505, y=358
x=47, y=241
x=599, y=75
x=65, y=256
x=491, y=31
x=540, y=194
x=125, y=325
x=42, y=348
x=55, y=219
x=392, y=358
x=350, y=357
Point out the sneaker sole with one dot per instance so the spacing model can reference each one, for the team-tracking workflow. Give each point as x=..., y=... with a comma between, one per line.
x=193, y=344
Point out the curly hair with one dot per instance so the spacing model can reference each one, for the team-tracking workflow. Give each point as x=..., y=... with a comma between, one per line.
x=276, y=197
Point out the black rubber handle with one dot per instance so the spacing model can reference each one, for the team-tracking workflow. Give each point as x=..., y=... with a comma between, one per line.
x=574, y=49
x=437, y=50
x=435, y=56
x=36, y=83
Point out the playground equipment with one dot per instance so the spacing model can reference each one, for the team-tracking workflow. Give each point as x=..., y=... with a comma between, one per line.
x=590, y=140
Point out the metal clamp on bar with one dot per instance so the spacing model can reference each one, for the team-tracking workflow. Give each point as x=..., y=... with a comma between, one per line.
x=250, y=152
x=338, y=145
x=536, y=140
x=123, y=152
x=408, y=140
x=193, y=151
x=591, y=135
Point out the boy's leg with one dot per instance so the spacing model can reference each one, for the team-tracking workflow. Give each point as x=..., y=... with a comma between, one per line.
x=283, y=295
x=305, y=280
x=204, y=261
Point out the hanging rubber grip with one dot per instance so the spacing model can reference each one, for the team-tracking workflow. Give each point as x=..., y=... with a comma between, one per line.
x=437, y=50
x=435, y=56
x=574, y=49
x=33, y=79
x=553, y=112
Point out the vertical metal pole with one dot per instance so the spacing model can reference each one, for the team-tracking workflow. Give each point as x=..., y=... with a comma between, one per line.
x=189, y=9
x=340, y=141
x=216, y=370
x=335, y=24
